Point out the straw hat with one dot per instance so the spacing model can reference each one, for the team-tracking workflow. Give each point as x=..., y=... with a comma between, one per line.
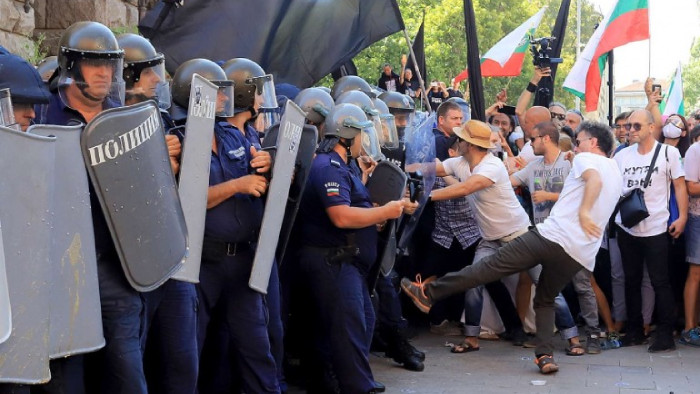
x=476, y=133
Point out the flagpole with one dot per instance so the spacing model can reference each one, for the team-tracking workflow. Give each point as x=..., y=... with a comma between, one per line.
x=611, y=89
x=424, y=93
x=578, y=43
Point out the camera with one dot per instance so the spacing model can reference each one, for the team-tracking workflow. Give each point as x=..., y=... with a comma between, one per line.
x=541, y=49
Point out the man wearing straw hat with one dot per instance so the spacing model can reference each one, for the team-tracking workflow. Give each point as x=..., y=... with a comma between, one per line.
x=564, y=243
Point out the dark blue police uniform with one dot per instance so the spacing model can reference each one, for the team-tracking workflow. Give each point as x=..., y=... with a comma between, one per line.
x=170, y=335
x=120, y=362
x=225, y=300
x=334, y=263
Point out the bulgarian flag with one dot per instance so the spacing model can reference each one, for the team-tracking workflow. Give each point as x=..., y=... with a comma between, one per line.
x=627, y=22
x=505, y=59
x=673, y=104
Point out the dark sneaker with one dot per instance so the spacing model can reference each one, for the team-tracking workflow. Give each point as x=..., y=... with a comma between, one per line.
x=662, y=346
x=690, y=337
x=611, y=342
x=593, y=344
x=632, y=340
x=415, y=291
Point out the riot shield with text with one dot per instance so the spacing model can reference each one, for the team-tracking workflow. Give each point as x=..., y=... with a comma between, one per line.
x=387, y=183
x=291, y=126
x=420, y=160
x=302, y=167
x=125, y=152
x=75, y=315
x=5, y=310
x=194, y=171
x=26, y=192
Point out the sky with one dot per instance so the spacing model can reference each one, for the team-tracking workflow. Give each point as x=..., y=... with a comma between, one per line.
x=673, y=25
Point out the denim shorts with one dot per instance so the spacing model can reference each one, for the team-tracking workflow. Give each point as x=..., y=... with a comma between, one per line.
x=692, y=239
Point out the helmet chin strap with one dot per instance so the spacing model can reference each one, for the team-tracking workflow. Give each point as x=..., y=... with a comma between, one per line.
x=347, y=143
x=82, y=86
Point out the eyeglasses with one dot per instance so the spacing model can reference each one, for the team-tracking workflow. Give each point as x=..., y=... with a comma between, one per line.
x=635, y=126
x=618, y=126
x=559, y=116
x=579, y=142
x=536, y=137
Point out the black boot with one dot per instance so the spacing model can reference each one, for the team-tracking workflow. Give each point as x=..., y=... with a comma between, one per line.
x=401, y=351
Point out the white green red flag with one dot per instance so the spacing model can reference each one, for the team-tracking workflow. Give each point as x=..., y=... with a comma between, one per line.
x=628, y=21
x=505, y=59
x=673, y=103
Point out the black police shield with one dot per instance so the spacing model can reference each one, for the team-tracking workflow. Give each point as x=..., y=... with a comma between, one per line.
x=291, y=126
x=76, y=317
x=5, y=311
x=387, y=183
x=26, y=192
x=302, y=168
x=194, y=171
x=125, y=152
x=420, y=159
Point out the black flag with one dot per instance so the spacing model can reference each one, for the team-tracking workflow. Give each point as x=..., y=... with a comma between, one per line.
x=298, y=41
x=545, y=89
x=476, y=84
x=348, y=68
x=419, y=50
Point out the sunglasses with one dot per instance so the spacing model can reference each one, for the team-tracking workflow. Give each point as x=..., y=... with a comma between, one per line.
x=635, y=126
x=559, y=116
x=578, y=142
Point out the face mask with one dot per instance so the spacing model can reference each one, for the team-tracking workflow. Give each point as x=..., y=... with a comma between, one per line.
x=672, y=131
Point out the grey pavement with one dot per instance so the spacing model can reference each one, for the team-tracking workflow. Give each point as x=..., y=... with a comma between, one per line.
x=500, y=367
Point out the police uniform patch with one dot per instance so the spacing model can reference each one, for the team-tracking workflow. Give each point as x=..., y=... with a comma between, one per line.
x=332, y=189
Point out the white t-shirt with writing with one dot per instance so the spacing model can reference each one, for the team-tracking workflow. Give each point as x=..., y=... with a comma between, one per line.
x=691, y=165
x=563, y=226
x=634, y=168
x=498, y=211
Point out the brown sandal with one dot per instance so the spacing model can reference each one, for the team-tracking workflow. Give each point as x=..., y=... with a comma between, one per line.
x=546, y=364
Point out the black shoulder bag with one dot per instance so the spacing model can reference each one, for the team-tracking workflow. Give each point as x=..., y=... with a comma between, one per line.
x=632, y=207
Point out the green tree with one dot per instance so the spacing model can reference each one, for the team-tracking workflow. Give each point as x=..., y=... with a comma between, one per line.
x=691, y=79
x=445, y=41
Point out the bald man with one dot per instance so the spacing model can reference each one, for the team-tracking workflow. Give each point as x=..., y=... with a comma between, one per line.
x=532, y=116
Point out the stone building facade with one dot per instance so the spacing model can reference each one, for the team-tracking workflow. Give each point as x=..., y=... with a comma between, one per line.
x=28, y=22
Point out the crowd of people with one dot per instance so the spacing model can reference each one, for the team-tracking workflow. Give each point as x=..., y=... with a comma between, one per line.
x=533, y=194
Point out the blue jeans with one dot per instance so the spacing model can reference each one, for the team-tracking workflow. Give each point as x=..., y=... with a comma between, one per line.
x=345, y=319
x=171, y=325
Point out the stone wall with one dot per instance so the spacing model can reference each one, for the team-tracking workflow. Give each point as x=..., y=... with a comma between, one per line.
x=47, y=19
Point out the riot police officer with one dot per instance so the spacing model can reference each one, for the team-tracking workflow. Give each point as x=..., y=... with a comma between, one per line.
x=339, y=239
x=171, y=308
x=89, y=81
x=317, y=103
x=348, y=83
x=25, y=91
x=232, y=315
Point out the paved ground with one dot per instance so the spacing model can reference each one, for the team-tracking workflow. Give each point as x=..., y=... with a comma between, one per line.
x=500, y=367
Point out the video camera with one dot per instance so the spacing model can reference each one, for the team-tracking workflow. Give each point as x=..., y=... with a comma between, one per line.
x=541, y=49
x=416, y=186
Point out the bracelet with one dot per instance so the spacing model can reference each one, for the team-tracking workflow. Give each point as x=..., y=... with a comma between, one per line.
x=531, y=87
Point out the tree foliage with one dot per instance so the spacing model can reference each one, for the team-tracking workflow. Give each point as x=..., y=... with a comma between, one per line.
x=445, y=41
x=691, y=79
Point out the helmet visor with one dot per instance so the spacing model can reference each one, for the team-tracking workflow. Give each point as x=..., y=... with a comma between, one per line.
x=370, y=143
x=150, y=83
x=265, y=86
x=269, y=117
x=224, y=99
x=96, y=77
x=389, y=137
x=7, y=114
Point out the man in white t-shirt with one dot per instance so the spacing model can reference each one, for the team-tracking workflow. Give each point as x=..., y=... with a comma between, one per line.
x=566, y=242
x=648, y=241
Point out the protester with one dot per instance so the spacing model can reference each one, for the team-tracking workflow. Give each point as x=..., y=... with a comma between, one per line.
x=564, y=243
x=437, y=94
x=691, y=334
x=389, y=80
x=648, y=241
x=573, y=119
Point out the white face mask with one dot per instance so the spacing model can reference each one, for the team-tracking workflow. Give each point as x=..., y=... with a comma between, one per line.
x=672, y=131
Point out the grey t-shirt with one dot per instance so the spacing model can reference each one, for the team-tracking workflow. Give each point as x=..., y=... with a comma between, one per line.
x=538, y=176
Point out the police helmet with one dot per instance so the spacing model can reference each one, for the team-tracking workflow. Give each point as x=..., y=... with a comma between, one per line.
x=325, y=89
x=23, y=80
x=360, y=99
x=346, y=121
x=397, y=102
x=90, y=44
x=316, y=103
x=348, y=83
x=47, y=67
x=182, y=83
x=244, y=73
x=142, y=59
